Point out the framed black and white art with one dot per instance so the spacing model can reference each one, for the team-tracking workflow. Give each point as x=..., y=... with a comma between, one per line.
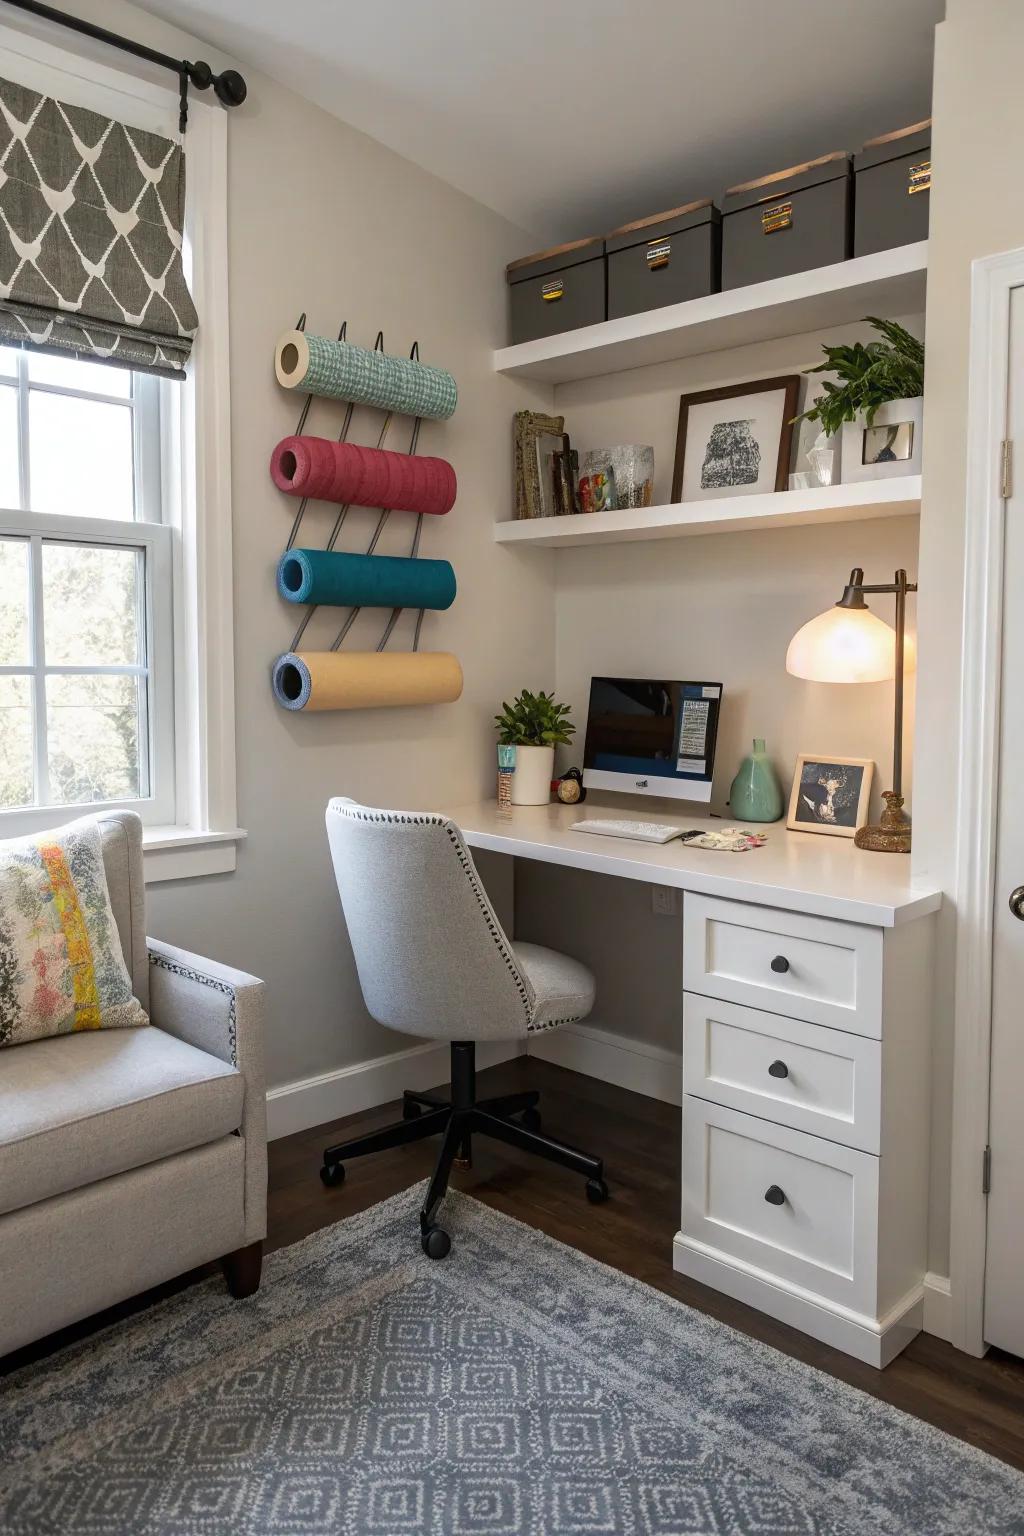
x=830, y=794
x=735, y=441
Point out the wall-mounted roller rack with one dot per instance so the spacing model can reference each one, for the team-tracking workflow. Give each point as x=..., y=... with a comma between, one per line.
x=316, y=468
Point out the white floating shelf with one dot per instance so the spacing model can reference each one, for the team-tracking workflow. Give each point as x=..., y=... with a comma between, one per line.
x=898, y=497
x=886, y=283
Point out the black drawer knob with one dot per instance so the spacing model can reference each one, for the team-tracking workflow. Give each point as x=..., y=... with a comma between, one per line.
x=774, y=1195
x=778, y=1069
x=780, y=964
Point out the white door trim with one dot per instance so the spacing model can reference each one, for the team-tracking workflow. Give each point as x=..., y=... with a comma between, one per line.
x=992, y=279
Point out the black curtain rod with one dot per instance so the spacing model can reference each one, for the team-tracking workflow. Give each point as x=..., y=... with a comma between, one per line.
x=228, y=87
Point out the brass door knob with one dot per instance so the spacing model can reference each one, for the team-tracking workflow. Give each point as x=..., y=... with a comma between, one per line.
x=1017, y=902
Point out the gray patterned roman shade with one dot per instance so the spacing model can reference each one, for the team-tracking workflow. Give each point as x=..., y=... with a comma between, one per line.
x=91, y=214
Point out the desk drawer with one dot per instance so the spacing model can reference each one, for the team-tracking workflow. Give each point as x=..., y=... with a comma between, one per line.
x=798, y=1207
x=814, y=1079
x=812, y=968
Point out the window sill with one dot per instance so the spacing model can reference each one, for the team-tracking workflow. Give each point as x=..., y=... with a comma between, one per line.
x=182, y=853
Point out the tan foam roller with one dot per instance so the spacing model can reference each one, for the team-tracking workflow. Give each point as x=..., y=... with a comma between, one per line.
x=311, y=680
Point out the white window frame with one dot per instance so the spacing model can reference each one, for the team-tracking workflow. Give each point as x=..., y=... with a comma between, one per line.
x=196, y=463
x=148, y=535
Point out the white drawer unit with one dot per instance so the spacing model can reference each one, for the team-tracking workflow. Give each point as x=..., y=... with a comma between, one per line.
x=813, y=968
x=825, y=1081
x=806, y=1075
x=782, y=1202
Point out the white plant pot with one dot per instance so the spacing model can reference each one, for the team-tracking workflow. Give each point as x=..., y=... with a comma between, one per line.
x=534, y=770
x=898, y=421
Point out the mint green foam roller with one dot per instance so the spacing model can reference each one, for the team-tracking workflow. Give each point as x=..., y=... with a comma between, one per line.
x=315, y=365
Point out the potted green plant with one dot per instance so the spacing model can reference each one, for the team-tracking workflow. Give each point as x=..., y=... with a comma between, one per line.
x=535, y=725
x=876, y=404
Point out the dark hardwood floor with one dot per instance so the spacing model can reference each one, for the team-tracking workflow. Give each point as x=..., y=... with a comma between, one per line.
x=981, y=1401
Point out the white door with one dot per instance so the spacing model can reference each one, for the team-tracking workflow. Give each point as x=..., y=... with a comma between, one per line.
x=1004, y=1270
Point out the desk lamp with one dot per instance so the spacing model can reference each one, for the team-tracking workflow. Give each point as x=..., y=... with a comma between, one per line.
x=849, y=644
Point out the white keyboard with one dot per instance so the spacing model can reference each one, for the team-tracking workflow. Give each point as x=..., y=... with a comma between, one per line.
x=642, y=831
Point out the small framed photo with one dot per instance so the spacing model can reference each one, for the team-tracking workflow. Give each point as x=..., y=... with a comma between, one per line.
x=890, y=447
x=735, y=441
x=830, y=794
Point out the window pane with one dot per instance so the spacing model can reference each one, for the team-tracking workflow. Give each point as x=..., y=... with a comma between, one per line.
x=8, y=362
x=80, y=456
x=95, y=730
x=91, y=605
x=10, y=492
x=14, y=646
x=15, y=742
x=73, y=373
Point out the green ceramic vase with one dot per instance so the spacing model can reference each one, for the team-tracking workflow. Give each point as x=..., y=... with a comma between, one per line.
x=756, y=794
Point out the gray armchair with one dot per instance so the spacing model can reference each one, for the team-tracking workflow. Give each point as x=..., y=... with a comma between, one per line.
x=128, y=1156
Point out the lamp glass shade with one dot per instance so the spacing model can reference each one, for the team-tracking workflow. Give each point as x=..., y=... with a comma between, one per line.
x=846, y=645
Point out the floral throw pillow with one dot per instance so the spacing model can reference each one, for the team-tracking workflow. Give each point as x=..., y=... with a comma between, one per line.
x=61, y=967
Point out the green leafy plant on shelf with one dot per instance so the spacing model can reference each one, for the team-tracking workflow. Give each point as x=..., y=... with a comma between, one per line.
x=535, y=720
x=872, y=374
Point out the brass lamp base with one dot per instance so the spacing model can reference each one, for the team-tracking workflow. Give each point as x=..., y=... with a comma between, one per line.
x=892, y=833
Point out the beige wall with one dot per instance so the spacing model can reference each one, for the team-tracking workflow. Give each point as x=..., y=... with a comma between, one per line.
x=722, y=607
x=977, y=210
x=325, y=220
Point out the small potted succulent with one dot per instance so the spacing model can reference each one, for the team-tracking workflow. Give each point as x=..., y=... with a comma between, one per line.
x=535, y=725
x=876, y=404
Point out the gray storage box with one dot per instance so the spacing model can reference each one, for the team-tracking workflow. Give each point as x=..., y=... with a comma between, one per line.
x=893, y=176
x=556, y=290
x=664, y=259
x=788, y=222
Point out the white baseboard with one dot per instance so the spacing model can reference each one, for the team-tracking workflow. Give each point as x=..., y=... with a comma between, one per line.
x=938, y=1307
x=633, y=1064
x=876, y=1341
x=316, y=1100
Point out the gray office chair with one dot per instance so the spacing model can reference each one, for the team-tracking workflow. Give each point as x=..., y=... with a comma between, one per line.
x=433, y=960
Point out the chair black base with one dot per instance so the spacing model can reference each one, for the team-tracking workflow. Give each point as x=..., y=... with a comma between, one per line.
x=457, y=1123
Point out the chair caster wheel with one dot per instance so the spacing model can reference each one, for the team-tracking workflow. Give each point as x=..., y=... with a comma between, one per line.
x=411, y=1110
x=530, y=1119
x=436, y=1242
x=333, y=1174
x=597, y=1191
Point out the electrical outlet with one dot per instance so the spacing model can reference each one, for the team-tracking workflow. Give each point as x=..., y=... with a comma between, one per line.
x=666, y=901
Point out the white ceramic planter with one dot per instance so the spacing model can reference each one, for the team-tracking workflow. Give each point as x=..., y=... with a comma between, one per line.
x=531, y=781
x=897, y=424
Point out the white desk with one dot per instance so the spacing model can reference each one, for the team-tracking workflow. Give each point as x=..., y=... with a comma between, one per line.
x=800, y=871
x=805, y=1032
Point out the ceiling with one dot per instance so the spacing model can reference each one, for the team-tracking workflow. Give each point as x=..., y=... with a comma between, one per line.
x=572, y=116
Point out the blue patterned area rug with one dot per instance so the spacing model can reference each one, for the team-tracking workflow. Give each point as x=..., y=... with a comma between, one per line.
x=516, y=1389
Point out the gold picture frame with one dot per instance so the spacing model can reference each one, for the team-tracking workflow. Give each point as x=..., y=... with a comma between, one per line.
x=534, y=497
x=830, y=794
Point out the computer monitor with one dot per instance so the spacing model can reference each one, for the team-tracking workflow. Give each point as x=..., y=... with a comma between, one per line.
x=649, y=737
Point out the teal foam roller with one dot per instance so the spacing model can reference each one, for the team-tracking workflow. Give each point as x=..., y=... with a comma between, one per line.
x=315, y=365
x=364, y=581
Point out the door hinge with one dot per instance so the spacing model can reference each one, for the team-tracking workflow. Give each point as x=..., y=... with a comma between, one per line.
x=1006, y=469
x=986, y=1171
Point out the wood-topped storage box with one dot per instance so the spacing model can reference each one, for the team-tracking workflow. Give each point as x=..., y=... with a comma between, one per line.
x=788, y=222
x=556, y=290
x=893, y=176
x=665, y=259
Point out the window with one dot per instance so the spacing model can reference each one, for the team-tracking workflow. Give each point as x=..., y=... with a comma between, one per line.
x=115, y=513
x=86, y=655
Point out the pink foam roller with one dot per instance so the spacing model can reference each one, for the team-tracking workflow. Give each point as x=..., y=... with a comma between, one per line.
x=364, y=477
